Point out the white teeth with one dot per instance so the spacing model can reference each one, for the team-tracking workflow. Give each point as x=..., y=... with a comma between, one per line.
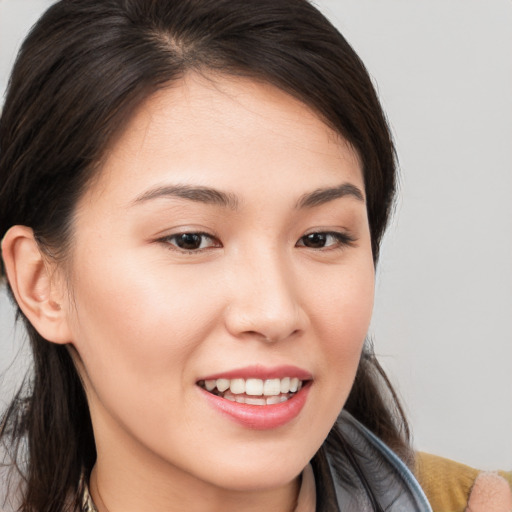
x=255, y=401
x=285, y=385
x=237, y=386
x=272, y=387
x=254, y=387
x=210, y=385
x=244, y=399
x=222, y=384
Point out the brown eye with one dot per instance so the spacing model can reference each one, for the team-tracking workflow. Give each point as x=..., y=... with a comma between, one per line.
x=189, y=241
x=315, y=240
x=192, y=241
x=325, y=239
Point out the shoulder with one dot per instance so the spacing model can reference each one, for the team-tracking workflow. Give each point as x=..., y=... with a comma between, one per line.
x=450, y=485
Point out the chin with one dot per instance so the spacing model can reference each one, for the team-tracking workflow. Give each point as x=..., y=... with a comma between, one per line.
x=259, y=478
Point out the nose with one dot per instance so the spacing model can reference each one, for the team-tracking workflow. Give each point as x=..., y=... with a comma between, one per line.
x=264, y=302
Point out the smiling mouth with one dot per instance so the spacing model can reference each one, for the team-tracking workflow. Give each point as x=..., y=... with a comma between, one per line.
x=254, y=391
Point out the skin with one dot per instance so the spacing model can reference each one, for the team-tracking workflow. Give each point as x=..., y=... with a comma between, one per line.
x=146, y=319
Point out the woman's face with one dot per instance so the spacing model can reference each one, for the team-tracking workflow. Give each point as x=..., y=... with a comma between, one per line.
x=224, y=243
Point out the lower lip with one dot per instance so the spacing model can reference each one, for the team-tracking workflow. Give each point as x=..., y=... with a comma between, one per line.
x=261, y=417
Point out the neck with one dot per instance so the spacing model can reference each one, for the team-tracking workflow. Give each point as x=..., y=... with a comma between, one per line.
x=111, y=494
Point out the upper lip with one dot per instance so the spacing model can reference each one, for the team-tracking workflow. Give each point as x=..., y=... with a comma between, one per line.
x=261, y=372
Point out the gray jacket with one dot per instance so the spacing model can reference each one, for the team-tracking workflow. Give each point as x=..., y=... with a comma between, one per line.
x=356, y=472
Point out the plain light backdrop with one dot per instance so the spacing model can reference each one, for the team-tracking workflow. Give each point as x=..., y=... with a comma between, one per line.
x=442, y=323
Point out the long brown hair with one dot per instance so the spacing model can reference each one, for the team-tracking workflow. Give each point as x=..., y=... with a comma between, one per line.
x=83, y=69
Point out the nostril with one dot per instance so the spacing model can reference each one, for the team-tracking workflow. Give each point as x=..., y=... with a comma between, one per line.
x=259, y=335
x=271, y=337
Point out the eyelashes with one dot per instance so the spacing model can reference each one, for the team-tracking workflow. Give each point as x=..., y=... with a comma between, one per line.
x=192, y=242
x=325, y=239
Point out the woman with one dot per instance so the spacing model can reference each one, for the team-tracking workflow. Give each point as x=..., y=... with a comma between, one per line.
x=192, y=199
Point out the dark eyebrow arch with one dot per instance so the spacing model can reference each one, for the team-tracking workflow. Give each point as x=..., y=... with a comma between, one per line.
x=324, y=195
x=193, y=193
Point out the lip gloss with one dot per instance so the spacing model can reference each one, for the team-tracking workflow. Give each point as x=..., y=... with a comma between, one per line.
x=260, y=417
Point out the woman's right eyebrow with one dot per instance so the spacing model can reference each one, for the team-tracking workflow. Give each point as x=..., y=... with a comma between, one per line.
x=200, y=194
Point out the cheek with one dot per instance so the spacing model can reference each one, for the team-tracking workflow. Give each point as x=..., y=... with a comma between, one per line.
x=343, y=314
x=133, y=328
x=343, y=306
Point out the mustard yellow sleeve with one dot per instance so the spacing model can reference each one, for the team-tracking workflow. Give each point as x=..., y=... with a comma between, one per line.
x=507, y=475
x=447, y=484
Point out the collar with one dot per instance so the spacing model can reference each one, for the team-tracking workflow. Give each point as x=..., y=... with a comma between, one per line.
x=87, y=503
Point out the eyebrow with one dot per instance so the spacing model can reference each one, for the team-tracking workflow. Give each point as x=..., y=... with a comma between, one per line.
x=325, y=195
x=193, y=193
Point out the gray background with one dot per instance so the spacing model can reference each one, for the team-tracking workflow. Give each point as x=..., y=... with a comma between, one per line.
x=442, y=321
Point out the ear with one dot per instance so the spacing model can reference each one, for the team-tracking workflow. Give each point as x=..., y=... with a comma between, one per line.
x=32, y=280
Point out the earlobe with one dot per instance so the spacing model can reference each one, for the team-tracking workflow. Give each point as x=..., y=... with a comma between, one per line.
x=32, y=282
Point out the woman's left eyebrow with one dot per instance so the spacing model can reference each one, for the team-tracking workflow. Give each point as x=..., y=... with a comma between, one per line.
x=324, y=195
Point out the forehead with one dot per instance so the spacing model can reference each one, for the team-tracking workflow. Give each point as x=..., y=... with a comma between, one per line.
x=213, y=129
